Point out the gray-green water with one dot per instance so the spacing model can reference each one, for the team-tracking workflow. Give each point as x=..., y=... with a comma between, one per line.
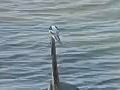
x=90, y=33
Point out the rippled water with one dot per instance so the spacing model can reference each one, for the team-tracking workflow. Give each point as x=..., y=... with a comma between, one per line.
x=90, y=33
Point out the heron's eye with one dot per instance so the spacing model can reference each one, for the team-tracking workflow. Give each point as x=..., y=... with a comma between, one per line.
x=50, y=28
x=56, y=27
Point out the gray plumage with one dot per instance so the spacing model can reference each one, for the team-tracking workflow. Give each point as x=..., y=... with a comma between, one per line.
x=64, y=86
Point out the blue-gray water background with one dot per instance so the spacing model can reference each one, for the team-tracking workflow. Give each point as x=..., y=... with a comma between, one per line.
x=88, y=58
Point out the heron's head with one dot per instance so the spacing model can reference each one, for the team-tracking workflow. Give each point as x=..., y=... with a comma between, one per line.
x=53, y=27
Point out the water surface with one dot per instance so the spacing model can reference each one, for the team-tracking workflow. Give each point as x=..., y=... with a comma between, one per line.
x=88, y=58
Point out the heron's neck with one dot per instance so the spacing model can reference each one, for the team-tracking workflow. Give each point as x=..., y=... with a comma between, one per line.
x=55, y=76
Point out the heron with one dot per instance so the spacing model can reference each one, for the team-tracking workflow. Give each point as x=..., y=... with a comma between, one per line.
x=55, y=83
